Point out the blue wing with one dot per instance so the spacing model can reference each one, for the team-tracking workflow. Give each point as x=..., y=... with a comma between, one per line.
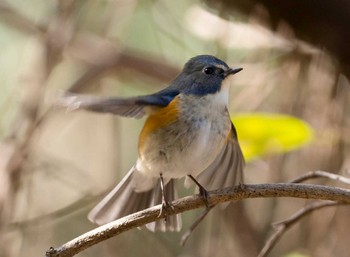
x=128, y=107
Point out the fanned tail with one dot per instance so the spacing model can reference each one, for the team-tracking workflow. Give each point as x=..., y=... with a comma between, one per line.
x=123, y=200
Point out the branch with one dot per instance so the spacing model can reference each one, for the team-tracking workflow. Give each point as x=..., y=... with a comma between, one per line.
x=282, y=226
x=188, y=233
x=116, y=60
x=12, y=17
x=193, y=202
x=323, y=174
x=65, y=211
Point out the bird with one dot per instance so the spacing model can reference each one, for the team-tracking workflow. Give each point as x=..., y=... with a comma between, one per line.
x=187, y=133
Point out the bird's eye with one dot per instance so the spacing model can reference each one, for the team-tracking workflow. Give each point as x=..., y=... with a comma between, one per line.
x=208, y=70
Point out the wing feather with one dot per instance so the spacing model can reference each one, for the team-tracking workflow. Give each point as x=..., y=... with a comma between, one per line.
x=134, y=107
x=227, y=168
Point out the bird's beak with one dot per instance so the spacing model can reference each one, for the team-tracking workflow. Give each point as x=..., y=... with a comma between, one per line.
x=232, y=71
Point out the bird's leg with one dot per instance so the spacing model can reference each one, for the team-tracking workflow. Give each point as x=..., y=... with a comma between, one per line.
x=165, y=204
x=202, y=191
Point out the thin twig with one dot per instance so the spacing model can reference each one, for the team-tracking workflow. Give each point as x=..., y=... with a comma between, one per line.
x=190, y=230
x=282, y=226
x=193, y=202
x=318, y=174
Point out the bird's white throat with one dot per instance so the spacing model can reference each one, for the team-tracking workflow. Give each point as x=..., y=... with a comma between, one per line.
x=221, y=97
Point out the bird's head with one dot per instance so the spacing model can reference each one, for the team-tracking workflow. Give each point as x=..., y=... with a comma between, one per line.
x=202, y=75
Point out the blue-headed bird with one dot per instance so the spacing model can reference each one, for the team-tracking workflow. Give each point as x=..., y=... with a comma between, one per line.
x=188, y=133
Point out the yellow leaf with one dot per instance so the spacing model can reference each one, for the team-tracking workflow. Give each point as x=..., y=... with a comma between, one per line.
x=296, y=254
x=266, y=133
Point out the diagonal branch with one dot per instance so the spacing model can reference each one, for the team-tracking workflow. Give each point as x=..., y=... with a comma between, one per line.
x=193, y=202
x=10, y=16
x=187, y=234
x=282, y=226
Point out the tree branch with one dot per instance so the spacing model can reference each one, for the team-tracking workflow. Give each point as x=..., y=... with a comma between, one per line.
x=282, y=226
x=193, y=202
x=15, y=19
x=187, y=234
x=321, y=174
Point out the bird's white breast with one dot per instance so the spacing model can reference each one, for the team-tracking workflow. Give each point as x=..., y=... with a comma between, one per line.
x=189, y=145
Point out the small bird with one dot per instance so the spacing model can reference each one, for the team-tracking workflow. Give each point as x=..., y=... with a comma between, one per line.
x=188, y=133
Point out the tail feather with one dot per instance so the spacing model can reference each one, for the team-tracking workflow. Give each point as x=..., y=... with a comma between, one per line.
x=123, y=200
x=173, y=222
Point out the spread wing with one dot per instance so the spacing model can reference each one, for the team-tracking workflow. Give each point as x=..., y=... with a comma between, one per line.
x=227, y=168
x=128, y=107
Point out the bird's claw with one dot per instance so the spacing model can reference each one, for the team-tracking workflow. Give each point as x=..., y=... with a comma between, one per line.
x=204, y=193
x=164, y=210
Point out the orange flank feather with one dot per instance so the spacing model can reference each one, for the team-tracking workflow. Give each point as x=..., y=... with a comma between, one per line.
x=158, y=119
x=229, y=136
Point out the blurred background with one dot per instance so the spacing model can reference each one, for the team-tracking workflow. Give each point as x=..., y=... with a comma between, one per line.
x=56, y=164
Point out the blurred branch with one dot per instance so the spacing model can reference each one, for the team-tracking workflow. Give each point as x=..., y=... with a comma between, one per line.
x=60, y=31
x=282, y=226
x=193, y=202
x=195, y=224
x=106, y=57
x=53, y=216
x=49, y=42
x=321, y=174
x=15, y=19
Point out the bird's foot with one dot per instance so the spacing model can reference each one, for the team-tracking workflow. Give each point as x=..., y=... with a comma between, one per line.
x=166, y=206
x=202, y=191
x=165, y=210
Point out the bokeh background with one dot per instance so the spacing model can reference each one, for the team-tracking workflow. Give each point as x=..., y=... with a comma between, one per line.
x=56, y=164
